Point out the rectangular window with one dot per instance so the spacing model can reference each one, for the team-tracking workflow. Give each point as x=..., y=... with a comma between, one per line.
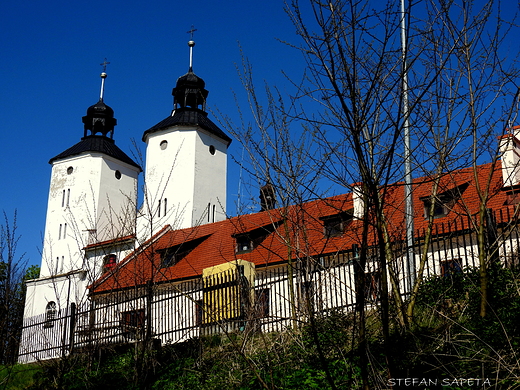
x=334, y=225
x=68, y=197
x=439, y=209
x=306, y=291
x=109, y=262
x=59, y=233
x=199, y=312
x=172, y=256
x=167, y=258
x=443, y=202
x=132, y=323
x=450, y=267
x=262, y=303
x=63, y=199
x=244, y=244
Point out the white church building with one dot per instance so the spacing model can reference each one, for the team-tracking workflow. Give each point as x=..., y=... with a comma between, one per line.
x=93, y=194
x=176, y=267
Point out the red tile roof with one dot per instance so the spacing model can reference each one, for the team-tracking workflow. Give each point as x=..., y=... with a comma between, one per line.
x=302, y=231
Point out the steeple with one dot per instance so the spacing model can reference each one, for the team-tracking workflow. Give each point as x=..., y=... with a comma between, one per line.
x=190, y=91
x=100, y=117
x=186, y=161
x=98, y=133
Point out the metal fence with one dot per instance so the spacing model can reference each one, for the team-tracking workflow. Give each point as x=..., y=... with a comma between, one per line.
x=271, y=299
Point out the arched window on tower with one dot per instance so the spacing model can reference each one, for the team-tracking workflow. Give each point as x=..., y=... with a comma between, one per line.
x=109, y=262
x=50, y=314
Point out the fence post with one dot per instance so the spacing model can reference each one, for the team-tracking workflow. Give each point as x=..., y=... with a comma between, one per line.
x=72, y=326
x=149, y=299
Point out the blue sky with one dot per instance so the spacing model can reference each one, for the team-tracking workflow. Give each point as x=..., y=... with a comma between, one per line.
x=50, y=75
x=51, y=56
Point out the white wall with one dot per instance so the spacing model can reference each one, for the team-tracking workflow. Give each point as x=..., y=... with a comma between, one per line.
x=187, y=176
x=89, y=198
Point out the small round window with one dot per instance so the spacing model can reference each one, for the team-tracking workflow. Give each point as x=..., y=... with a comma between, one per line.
x=118, y=175
x=70, y=170
x=212, y=149
x=163, y=144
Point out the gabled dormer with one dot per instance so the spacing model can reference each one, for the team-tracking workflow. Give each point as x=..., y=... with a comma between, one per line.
x=248, y=241
x=172, y=255
x=443, y=202
x=334, y=225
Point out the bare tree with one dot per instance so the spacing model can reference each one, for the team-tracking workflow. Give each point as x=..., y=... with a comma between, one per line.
x=13, y=273
x=349, y=107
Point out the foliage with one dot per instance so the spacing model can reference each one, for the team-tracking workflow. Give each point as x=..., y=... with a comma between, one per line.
x=17, y=376
x=13, y=274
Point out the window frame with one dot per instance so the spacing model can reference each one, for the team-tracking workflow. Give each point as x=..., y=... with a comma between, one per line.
x=450, y=267
x=109, y=262
x=262, y=303
x=132, y=323
x=50, y=314
x=336, y=224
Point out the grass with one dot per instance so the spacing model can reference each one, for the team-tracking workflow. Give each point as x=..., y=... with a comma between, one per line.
x=18, y=376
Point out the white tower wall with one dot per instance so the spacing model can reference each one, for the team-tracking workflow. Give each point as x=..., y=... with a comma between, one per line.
x=86, y=202
x=185, y=178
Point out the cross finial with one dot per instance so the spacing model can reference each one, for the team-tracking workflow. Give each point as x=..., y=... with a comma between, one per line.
x=104, y=65
x=103, y=77
x=191, y=31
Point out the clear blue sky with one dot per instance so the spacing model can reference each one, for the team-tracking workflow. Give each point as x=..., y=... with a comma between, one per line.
x=51, y=55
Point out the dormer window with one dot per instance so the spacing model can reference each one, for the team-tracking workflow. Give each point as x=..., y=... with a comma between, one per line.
x=171, y=256
x=443, y=202
x=334, y=225
x=246, y=242
x=440, y=209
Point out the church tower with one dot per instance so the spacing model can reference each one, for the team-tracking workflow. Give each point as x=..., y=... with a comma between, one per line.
x=92, y=198
x=186, y=162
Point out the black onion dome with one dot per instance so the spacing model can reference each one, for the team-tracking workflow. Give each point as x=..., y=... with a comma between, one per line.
x=99, y=119
x=190, y=91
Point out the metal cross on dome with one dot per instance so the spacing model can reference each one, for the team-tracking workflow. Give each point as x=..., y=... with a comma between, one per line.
x=191, y=31
x=104, y=65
